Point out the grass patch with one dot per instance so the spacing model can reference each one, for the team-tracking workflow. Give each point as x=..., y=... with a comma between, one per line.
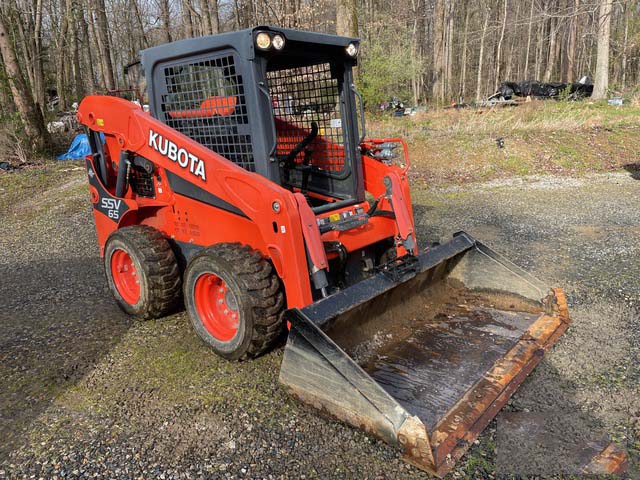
x=456, y=146
x=165, y=363
x=31, y=184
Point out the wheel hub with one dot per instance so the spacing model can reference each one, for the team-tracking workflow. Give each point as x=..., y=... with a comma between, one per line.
x=125, y=276
x=217, y=306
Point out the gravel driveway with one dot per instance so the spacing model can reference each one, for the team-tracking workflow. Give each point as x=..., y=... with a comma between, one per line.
x=87, y=392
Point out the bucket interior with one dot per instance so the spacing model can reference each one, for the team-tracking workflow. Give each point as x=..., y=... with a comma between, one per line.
x=428, y=341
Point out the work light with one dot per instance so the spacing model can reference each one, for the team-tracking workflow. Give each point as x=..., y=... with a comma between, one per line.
x=263, y=41
x=278, y=42
x=352, y=50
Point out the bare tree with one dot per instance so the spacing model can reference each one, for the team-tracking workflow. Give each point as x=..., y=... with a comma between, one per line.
x=601, y=80
x=429, y=50
x=499, y=52
x=437, y=85
x=481, y=54
x=165, y=15
x=30, y=115
x=347, y=18
x=570, y=72
x=104, y=44
x=530, y=27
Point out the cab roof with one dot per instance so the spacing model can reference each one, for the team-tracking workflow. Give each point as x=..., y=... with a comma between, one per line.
x=242, y=41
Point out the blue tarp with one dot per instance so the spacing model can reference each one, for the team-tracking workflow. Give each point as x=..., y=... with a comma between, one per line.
x=79, y=148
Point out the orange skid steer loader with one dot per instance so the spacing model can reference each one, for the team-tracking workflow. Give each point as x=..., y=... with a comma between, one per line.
x=251, y=194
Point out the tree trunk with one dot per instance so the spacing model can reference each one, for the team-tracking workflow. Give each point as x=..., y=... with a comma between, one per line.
x=448, y=84
x=236, y=10
x=165, y=15
x=625, y=46
x=215, y=17
x=136, y=11
x=511, y=45
x=89, y=73
x=207, y=24
x=463, y=75
x=347, y=18
x=78, y=86
x=499, y=52
x=25, y=42
x=601, y=81
x=38, y=71
x=415, y=53
x=30, y=28
x=551, y=57
x=30, y=115
x=102, y=36
x=570, y=70
x=481, y=57
x=187, y=21
x=526, y=58
x=60, y=61
x=539, y=48
x=438, y=53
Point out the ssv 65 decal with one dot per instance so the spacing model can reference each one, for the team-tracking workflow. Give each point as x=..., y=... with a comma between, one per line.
x=180, y=155
x=104, y=202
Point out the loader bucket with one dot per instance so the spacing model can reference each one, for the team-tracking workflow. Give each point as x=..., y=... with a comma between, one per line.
x=424, y=355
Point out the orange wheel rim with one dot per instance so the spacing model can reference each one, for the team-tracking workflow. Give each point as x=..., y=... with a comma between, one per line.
x=216, y=306
x=125, y=276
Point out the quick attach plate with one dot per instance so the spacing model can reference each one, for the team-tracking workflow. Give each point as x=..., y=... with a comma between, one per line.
x=400, y=269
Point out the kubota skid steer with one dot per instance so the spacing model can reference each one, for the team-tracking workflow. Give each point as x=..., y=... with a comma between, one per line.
x=251, y=194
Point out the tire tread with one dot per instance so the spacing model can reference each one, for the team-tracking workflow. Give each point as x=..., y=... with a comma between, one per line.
x=161, y=268
x=263, y=287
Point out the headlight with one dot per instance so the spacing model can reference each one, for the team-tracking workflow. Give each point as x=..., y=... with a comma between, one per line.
x=263, y=41
x=352, y=50
x=278, y=42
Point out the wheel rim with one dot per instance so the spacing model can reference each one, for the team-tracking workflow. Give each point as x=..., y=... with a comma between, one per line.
x=216, y=306
x=125, y=276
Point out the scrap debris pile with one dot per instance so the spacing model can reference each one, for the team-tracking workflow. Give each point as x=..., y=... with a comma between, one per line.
x=571, y=91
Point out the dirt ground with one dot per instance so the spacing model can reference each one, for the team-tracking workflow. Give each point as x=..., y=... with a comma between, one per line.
x=86, y=391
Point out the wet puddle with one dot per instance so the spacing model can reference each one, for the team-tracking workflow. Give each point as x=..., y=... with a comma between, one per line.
x=427, y=352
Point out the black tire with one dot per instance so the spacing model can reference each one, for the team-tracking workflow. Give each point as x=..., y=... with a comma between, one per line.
x=156, y=268
x=257, y=297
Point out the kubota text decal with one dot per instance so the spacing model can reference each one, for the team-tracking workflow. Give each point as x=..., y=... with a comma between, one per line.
x=177, y=154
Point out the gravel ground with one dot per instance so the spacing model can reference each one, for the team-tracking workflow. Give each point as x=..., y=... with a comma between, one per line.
x=87, y=392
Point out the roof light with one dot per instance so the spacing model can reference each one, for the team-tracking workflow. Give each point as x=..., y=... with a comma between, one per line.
x=352, y=50
x=278, y=42
x=263, y=41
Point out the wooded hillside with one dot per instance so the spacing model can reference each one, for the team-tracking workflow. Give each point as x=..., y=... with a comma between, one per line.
x=435, y=51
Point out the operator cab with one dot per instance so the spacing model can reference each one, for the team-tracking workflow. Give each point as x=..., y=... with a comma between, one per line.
x=277, y=102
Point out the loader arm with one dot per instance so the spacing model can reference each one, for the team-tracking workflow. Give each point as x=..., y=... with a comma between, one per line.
x=248, y=198
x=389, y=184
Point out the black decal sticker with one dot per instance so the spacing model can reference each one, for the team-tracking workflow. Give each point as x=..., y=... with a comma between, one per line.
x=107, y=204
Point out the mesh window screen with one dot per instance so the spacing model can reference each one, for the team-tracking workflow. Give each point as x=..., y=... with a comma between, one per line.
x=302, y=95
x=205, y=100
